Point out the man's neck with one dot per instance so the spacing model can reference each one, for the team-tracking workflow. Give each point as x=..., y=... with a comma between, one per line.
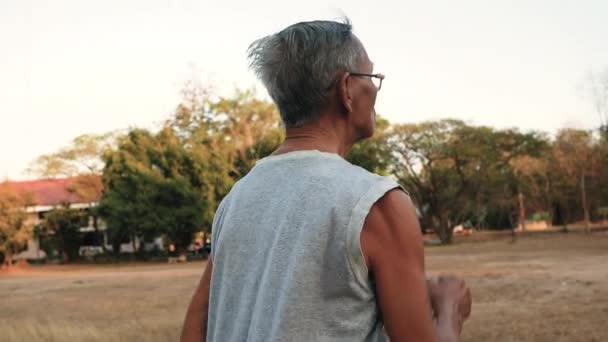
x=325, y=138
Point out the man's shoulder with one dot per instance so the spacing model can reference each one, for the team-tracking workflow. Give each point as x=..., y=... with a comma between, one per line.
x=358, y=171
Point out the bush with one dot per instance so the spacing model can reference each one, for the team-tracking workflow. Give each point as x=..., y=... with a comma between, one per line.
x=602, y=212
x=541, y=216
x=40, y=261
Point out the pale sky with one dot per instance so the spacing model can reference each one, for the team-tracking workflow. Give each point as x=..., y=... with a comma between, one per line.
x=69, y=67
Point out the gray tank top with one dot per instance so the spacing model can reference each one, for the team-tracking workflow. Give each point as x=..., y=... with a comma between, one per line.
x=287, y=261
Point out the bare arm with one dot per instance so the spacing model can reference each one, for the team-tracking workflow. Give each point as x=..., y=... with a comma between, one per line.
x=392, y=245
x=195, y=323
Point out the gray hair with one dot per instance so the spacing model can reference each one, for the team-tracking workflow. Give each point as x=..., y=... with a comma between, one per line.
x=299, y=65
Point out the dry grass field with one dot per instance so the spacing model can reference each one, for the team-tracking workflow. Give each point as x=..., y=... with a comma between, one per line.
x=546, y=287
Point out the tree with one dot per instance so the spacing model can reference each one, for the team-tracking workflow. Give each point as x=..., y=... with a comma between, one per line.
x=374, y=154
x=15, y=228
x=227, y=134
x=50, y=166
x=426, y=166
x=171, y=182
x=192, y=120
x=459, y=173
x=533, y=183
x=82, y=156
x=602, y=167
x=60, y=228
x=596, y=85
x=153, y=185
x=573, y=151
x=250, y=129
x=81, y=161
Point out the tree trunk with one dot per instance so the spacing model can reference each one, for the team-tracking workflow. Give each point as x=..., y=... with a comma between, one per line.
x=116, y=248
x=133, y=244
x=513, y=229
x=522, y=212
x=65, y=257
x=566, y=217
x=584, y=202
x=549, y=201
x=8, y=259
x=96, y=227
x=444, y=231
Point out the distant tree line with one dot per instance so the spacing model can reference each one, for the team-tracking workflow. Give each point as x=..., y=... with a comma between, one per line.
x=169, y=181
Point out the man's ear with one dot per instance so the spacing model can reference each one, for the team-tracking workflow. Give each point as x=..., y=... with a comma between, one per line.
x=344, y=92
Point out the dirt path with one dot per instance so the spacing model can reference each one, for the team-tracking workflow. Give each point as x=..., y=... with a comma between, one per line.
x=547, y=287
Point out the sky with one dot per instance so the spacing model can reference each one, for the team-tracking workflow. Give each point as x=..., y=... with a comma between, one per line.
x=70, y=67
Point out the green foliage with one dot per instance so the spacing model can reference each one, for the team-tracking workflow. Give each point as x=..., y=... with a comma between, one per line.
x=82, y=161
x=374, y=154
x=456, y=172
x=249, y=128
x=82, y=156
x=169, y=182
x=603, y=212
x=541, y=216
x=60, y=231
x=577, y=178
x=153, y=186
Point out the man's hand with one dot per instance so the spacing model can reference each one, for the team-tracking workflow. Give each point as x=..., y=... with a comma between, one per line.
x=450, y=299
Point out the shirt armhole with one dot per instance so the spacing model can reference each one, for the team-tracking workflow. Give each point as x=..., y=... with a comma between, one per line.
x=355, y=259
x=216, y=226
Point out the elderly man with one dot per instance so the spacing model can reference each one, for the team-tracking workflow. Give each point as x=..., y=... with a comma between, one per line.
x=308, y=247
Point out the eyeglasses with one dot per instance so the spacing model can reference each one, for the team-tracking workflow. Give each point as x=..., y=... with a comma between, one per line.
x=376, y=78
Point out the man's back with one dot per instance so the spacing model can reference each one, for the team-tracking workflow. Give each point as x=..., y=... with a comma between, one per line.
x=287, y=262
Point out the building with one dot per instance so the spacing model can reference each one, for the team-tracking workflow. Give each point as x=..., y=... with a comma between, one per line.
x=49, y=194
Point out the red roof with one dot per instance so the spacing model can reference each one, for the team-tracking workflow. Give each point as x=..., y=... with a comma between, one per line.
x=48, y=191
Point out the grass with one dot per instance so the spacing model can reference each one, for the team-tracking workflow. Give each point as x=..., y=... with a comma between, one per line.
x=548, y=287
